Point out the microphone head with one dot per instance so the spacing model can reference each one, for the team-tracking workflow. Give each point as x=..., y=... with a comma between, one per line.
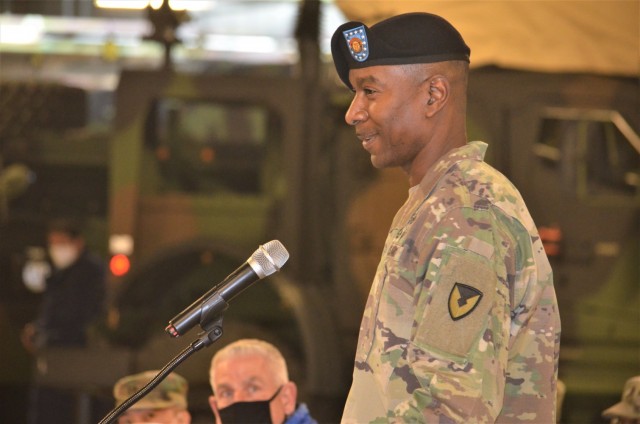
x=269, y=258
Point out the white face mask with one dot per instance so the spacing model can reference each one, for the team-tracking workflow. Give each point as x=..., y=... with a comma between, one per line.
x=34, y=275
x=63, y=255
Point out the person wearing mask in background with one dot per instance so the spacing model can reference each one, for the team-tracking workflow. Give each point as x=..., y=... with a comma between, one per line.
x=73, y=299
x=461, y=324
x=627, y=411
x=250, y=383
x=165, y=404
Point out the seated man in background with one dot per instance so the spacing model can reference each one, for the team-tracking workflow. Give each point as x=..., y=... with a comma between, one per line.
x=165, y=404
x=251, y=384
x=627, y=411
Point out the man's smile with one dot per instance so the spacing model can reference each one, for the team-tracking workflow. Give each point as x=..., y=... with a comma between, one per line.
x=366, y=138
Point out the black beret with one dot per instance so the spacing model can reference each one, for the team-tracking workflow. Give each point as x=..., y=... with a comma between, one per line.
x=399, y=40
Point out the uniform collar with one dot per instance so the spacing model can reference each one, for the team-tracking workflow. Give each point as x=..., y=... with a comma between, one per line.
x=473, y=150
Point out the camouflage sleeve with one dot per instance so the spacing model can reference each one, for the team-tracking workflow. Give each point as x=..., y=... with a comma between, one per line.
x=532, y=367
x=458, y=352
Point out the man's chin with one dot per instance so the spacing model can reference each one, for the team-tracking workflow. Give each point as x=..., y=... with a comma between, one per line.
x=379, y=163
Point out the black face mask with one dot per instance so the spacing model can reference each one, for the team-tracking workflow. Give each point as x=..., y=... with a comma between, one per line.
x=255, y=412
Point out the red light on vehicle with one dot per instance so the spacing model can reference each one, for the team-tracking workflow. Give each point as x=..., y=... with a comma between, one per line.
x=207, y=155
x=119, y=265
x=551, y=237
x=163, y=153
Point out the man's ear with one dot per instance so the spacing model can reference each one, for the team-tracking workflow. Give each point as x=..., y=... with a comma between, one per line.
x=288, y=397
x=214, y=408
x=80, y=243
x=438, y=94
x=184, y=417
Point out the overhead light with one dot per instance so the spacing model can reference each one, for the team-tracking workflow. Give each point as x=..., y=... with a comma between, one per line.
x=191, y=5
x=27, y=30
x=126, y=4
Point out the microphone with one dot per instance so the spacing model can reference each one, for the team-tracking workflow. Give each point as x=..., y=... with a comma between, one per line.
x=266, y=260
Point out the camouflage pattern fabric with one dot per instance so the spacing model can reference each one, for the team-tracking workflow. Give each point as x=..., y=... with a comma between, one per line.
x=171, y=392
x=461, y=324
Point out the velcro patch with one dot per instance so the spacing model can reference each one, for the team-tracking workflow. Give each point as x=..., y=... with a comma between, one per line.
x=464, y=288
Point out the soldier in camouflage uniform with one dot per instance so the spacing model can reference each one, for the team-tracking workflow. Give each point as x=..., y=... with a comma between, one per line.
x=461, y=324
x=165, y=404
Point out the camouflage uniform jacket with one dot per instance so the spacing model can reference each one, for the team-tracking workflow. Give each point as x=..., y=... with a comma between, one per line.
x=461, y=324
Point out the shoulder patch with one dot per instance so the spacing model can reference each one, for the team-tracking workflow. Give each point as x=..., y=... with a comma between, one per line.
x=463, y=299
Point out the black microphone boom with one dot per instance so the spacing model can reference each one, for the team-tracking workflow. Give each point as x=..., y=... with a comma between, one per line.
x=269, y=258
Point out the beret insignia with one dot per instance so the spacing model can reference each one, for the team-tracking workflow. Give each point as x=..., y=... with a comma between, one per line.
x=356, y=39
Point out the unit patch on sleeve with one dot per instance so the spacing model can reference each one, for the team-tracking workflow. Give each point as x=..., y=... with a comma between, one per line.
x=463, y=299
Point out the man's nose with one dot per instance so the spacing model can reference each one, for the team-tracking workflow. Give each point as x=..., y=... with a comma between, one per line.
x=240, y=396
x=356, y=112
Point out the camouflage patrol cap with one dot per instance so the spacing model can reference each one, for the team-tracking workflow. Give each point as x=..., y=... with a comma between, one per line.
x=400, y=40
x=172, y=391
x=629, y=406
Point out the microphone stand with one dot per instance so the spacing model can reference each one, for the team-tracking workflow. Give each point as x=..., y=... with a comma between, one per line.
x=212, y=332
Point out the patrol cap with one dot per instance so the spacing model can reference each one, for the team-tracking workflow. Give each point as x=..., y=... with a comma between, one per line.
x=629, y=406
x=400, y=40
x=172, y=391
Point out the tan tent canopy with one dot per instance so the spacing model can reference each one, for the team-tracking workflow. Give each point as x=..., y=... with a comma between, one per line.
x=595, y=36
